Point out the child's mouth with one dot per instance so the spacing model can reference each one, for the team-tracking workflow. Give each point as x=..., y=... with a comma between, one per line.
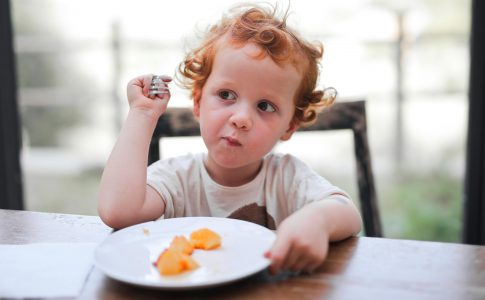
x=232, y=141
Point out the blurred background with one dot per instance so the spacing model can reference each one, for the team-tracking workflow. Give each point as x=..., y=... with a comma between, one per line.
x=409, y=59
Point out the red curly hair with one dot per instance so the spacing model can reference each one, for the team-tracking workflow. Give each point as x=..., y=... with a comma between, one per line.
x=261, y=27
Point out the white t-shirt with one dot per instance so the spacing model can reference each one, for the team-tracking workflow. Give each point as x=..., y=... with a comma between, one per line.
x=283, y=185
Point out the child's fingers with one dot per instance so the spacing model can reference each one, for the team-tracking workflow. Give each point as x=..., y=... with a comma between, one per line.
x=278, y=254
x=146, y=82
x=307, y=265
x=164, y=96
x=296, y=262
x=165, y=78
x=310, y=267
x=138, y=85
x=314, y=260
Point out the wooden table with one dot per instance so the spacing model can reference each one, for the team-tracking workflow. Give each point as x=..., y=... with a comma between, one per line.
x=357, y=268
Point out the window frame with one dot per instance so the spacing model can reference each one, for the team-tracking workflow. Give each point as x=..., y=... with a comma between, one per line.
x=11, y=194
x=474, y=197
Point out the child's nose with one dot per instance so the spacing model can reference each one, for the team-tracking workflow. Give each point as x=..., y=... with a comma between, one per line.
x=241, y=118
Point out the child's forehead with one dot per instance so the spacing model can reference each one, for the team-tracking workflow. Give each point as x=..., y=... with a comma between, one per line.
x=251, y=50
x=255, y=51
x=228, y=55
x=241, y=65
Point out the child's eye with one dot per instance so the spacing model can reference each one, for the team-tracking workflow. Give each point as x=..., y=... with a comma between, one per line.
x=266, y=106
x=227, y=95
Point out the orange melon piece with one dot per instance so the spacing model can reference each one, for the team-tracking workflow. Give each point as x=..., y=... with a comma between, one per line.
x=170, y=262
x=189, y=263
x=205, y=239
x=173, y=262
x=181, y=244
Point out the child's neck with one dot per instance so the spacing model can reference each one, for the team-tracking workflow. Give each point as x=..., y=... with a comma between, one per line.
x=234, y=176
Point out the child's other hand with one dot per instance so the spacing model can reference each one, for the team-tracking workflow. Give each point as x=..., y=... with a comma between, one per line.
x=140, y=99
x=301, y=244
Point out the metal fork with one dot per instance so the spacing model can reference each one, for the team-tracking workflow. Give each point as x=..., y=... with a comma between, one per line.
x=158, y=86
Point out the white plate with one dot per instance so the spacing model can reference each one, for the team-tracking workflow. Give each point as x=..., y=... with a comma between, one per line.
x=128, y=254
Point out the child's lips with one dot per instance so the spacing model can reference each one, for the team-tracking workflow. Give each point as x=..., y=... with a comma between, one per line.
x=232, y=141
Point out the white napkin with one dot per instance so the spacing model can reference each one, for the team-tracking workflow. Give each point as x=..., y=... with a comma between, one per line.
x=44, y=269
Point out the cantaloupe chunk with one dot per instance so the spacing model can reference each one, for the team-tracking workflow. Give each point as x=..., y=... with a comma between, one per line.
x=189, y=262
x=176, y=258
x=173, y=262
x=181, y=244
x=170, y=262
x=205, y=239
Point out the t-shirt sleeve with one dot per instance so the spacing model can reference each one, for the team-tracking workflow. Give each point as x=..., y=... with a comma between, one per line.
x=308, y=186
x=157, y=178
x=167, y=177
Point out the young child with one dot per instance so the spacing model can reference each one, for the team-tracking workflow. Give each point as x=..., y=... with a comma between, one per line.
x=253, y=83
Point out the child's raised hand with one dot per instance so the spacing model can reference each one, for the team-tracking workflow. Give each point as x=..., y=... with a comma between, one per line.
x=301, y=244
x=139, y=97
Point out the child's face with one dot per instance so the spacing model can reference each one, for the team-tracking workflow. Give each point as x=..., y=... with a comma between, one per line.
x=245, y=107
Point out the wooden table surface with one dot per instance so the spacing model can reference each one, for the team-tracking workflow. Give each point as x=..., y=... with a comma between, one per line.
x=357, y=268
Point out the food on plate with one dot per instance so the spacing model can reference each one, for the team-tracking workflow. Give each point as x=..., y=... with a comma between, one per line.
x=205, y=239
x=176, y=258
x=172, y=262
x=181, y=244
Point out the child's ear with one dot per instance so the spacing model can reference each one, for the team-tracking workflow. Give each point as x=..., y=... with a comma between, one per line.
x=292, y=127
x=196, y=107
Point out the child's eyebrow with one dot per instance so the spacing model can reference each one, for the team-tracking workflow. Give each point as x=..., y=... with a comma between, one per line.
x=224, y=82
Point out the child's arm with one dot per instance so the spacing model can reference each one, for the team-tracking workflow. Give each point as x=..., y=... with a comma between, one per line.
x=124, y=197
x=303, y=238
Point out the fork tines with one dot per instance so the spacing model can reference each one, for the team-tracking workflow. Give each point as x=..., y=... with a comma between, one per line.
x=158, y=86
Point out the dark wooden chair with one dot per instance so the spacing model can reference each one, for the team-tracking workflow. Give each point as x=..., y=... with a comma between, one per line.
x=178, y=122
